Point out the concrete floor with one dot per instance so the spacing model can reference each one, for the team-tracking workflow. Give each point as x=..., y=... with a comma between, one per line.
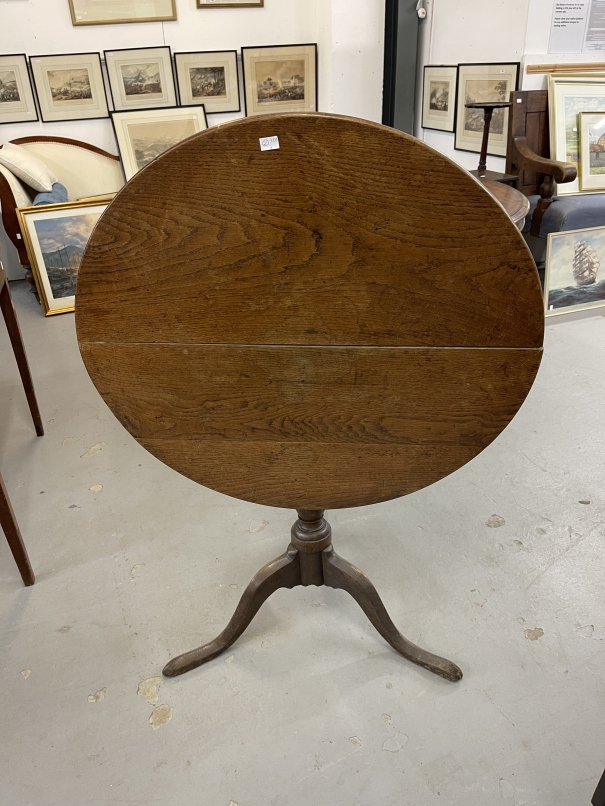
x=310, y=706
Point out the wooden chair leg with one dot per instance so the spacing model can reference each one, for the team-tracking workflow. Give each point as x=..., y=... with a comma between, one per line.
x=14, y=332
x=9, y=525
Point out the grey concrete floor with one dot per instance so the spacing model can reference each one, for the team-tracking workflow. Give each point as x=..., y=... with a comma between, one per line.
x=310, y=706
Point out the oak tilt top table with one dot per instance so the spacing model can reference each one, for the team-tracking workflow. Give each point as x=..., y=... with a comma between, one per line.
x=335, y=322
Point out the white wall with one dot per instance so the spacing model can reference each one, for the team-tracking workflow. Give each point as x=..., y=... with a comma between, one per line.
x=349, y=33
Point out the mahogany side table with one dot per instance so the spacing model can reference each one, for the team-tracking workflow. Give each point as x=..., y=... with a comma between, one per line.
x=338, y=321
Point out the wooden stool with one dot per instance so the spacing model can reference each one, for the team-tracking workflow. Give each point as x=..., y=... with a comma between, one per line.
x=339, y=321
x=8, y=520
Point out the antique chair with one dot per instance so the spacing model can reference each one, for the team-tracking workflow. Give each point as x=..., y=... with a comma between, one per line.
x=83, y=169
x=528, y=157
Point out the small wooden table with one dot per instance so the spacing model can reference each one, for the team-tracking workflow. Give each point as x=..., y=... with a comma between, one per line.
x=514, y=202
x=342, y=320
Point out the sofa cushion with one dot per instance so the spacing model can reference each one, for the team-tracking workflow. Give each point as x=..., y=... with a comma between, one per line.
x=569, y=212
x=57, y=195
x=31, y=170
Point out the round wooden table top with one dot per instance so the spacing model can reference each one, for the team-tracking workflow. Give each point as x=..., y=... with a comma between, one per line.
x=339, y=321
x=514, y=202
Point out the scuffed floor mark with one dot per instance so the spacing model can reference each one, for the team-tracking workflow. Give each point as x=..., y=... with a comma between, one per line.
x=148, y=689
x=386, y=718
x=26, y=673
x=134, y=573
x=389, y=685
x=478, y=598
x=533, y=635
x=495, y=521
x=584, y=501
x=229, y=659
x=234, y=586
x=70, y=440
x=160, y=716
x=98, y=696
x=587, y=631
x=355, y=740
x=394, y=743
x=232, y=803
x=64, y=629
x=540, y=530
x=74, y=506
x=96, y=488
x=95, y=449
x=255, y=526
x=520, y=545
x=507, y=790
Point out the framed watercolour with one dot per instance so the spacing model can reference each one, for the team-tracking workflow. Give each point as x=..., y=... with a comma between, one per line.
x=575, y=271
x=592, y=151
x=145, y=134
x=69, y=87
x=17, y=103
x=567, y=97
x=105, y=12
x=280, y=78
x=209, y=78
x=439, y=97
x=483, y=82
x=140, y=78
x=230, y=3
x=55, y=237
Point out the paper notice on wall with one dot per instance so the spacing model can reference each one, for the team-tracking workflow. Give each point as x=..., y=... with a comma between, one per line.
x=578, y=26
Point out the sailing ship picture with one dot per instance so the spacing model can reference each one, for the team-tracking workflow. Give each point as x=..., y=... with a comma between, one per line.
x=575, y=270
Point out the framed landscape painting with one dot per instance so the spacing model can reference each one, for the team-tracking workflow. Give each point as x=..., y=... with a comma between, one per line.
x=55, y=237
x=280, y=78
x=575, y=271
x=105, y=12
x=592, y=151
x=567, y=97
x=439, y=97
x=17, y=103
x=484, y=82
x=140, y=78
x=145, y=134
x=209, y=78
x=69, y=87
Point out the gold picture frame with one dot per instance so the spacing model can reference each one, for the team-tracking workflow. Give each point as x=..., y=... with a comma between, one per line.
x=97, y=12
x=55, y=237
x=592, y=151
x=230, y=4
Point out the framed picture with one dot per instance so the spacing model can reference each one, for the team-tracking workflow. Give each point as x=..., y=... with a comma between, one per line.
x=209, y=78
x=140, y=78
x=280, y=78
x=104, y=12
x=145, y=134
x=55, y=237
x=69, y=87
x=483, y=82
x=230, y=3
x=17, y=103
x=575, y=270
x=567, y=97
x=592, y=151
x=439, y=97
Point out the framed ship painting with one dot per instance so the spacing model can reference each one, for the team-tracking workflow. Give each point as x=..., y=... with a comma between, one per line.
x=575, y=271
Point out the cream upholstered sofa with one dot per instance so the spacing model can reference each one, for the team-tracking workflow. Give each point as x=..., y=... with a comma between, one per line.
x=83, y=169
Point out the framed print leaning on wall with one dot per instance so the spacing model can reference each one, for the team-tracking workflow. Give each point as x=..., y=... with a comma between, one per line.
x=17, y=103
x=69, y=87
x=591, y=173
x=145, y=134
x=209, y=78
x=567, y=97
x=280, y=78
x=105, y=12
x=484, y=82
x=230, y=3
x=55, y=237
x=575, y=270
x=140, y=78
x=439, y=97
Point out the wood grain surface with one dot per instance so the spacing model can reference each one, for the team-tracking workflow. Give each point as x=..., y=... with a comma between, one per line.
x=338, y=322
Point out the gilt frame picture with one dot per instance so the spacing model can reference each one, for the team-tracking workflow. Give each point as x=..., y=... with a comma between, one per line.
x=69, y=86
x=575, y=271
x=17, y=103
x=143, y=135
x=439, y=97
x=592, y=151
x=55, y=237
x=107, y=12
x=484, y=82
x=280, y=78
x=208, y=77
x=140, y=78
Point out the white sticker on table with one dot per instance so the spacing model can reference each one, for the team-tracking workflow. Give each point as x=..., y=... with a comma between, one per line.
x=269, y=143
